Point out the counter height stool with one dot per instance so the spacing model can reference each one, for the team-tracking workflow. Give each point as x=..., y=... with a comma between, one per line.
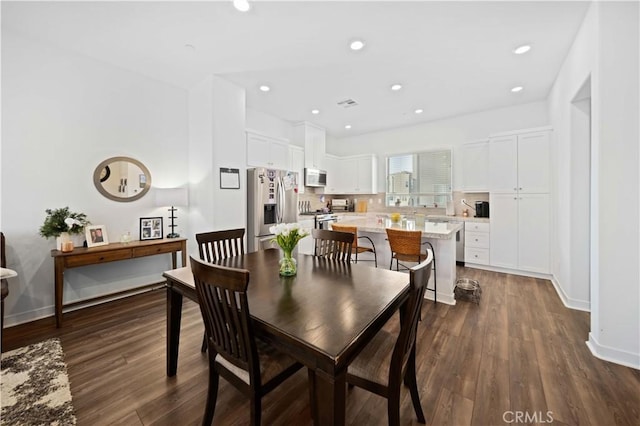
x=355, y=247
x=406, y=247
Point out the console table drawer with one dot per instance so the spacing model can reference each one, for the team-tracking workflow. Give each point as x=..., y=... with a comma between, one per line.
x=157, y=249
x=93, y=258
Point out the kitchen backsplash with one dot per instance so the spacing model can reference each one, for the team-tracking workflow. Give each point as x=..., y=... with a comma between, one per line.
x=376, y=202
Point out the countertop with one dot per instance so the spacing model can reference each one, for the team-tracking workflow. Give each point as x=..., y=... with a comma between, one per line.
x=440, y=230
x=431, y=216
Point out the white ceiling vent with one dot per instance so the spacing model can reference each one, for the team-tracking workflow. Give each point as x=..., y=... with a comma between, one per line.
x=347, y=103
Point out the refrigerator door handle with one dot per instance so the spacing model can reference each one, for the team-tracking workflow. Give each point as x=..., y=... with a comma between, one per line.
x=280, y=207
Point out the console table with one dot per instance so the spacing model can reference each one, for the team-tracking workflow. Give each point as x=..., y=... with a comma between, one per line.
x=111, y=253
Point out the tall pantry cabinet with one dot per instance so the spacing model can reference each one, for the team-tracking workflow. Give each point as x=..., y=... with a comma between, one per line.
x=519, y=175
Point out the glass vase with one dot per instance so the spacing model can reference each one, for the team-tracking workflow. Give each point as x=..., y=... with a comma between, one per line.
x=288, y=266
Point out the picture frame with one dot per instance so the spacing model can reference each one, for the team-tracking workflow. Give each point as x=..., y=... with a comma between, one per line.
x=151, y=228
x=96, y=235
x=229, y=178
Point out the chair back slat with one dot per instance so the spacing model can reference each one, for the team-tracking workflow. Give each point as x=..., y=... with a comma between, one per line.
x=333, y=244
x=218, y=245
x=222, y=295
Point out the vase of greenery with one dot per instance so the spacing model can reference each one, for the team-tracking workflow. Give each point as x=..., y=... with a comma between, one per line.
x=63, y=224
x=287, y=236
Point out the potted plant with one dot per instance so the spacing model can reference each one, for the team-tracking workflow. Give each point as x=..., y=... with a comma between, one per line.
x=61, y=223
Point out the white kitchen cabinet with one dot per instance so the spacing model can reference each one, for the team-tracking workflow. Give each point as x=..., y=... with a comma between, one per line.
x=333, y=175
x=305, y=245
x=296, y=164
x=266, y=151
x=475, y=166
x=477, y=243
x=313, y=138
x=520, y=226
x=357, y=174
x=519, y=163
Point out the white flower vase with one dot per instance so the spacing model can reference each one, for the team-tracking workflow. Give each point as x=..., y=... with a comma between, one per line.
x=64, y=236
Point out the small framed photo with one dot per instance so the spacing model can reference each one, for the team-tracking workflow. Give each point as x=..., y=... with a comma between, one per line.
x=96, y=235
x=150, y=228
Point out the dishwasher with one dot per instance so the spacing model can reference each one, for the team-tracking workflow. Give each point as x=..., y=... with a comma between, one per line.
x=459, y=239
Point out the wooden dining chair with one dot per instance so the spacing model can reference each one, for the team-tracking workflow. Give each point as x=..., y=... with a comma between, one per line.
x=333, y=244
x=356, y=247
x=218, y=245
x=388, y=360
x=406, y=246
x=249, y=364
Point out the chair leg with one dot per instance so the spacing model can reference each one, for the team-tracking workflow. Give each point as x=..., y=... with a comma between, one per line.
x=256, y=410
x=393, y=407
x=375, y=258
x=410, y=381
x=203, y=349
x=435, y=276
x=312, y=393
x=212, y=396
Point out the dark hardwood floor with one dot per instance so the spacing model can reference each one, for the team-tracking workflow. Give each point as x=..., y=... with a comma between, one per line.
x=519, y=351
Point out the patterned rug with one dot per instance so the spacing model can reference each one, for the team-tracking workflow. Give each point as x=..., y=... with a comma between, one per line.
x=35, y=386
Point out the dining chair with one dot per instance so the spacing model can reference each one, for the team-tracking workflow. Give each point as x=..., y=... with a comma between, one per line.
x=218, y=245
x=406, y=246
x=355, y=247
x=333, y=244
x=388, y=360
x=249, y=364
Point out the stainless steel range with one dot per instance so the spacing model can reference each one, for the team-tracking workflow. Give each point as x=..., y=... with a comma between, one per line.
x=324, y=220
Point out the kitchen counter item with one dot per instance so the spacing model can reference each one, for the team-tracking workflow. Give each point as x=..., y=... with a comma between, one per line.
x=361, y=206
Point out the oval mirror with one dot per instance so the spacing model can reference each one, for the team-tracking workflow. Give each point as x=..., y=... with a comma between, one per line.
x=122, y=179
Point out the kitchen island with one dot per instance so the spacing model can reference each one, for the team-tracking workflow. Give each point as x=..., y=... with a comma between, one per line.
x=442, y=235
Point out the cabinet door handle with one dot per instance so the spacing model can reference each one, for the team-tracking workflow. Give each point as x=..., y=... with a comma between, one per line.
x=515, y=189
x=520, y=189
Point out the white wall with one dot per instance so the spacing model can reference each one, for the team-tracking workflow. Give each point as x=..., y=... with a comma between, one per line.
x=269, y=125
x=452, y=132
x=62, y=114
x=606, y=50
x=216, y=139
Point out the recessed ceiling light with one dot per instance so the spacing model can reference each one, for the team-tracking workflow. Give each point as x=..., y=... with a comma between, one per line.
x=396, y=87
x=190, y=47
x=265, y=88
x=418, y=111
x=517, y=89
x=356, y=45
x=522, y=49
x=242, y=5
x=315, y=111
x=348, y=126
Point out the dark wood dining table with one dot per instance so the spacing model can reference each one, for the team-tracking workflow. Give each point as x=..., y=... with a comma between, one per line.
x=323, y=316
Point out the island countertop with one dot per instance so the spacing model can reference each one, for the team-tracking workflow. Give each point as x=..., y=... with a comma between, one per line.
x=440, y=230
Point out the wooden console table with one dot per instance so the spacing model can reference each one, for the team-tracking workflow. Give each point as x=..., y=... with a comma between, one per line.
x=111, y=253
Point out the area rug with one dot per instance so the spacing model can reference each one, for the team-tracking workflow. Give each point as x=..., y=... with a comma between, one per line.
x=35, y=386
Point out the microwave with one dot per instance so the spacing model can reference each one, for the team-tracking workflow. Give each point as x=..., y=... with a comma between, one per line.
x=315, y=177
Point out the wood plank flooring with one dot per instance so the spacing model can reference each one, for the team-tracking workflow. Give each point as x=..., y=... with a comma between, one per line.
x=519, y=350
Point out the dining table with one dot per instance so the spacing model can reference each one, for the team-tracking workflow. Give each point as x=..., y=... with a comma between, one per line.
x=323, y=316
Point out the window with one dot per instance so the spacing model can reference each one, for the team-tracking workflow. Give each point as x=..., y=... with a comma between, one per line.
x=419, y=179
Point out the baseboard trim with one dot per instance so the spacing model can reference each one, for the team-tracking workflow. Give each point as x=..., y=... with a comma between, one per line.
x=609, y=354
x=49, y=311
x=579, y=305
x=448, y=299
x=508, y=271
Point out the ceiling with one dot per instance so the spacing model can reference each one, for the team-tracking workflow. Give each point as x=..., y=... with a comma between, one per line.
x=451, y=57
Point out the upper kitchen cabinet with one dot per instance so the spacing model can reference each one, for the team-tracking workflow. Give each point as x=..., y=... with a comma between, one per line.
x=358, y=174
x=313, y=138
x=475, y=166
x=296, y=164
x=334, y=180
x=519, y=162
x=266, y=151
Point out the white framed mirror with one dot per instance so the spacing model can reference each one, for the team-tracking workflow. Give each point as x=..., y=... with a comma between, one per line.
x=122, y=179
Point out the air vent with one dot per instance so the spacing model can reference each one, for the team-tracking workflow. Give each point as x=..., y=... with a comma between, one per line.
x=347, y=103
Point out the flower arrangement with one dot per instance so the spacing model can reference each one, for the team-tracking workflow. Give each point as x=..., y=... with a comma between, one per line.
x=287, y=235
x=62, y=220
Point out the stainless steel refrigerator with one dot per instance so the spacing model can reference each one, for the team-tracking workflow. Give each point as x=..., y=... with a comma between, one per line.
x=272, y=198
